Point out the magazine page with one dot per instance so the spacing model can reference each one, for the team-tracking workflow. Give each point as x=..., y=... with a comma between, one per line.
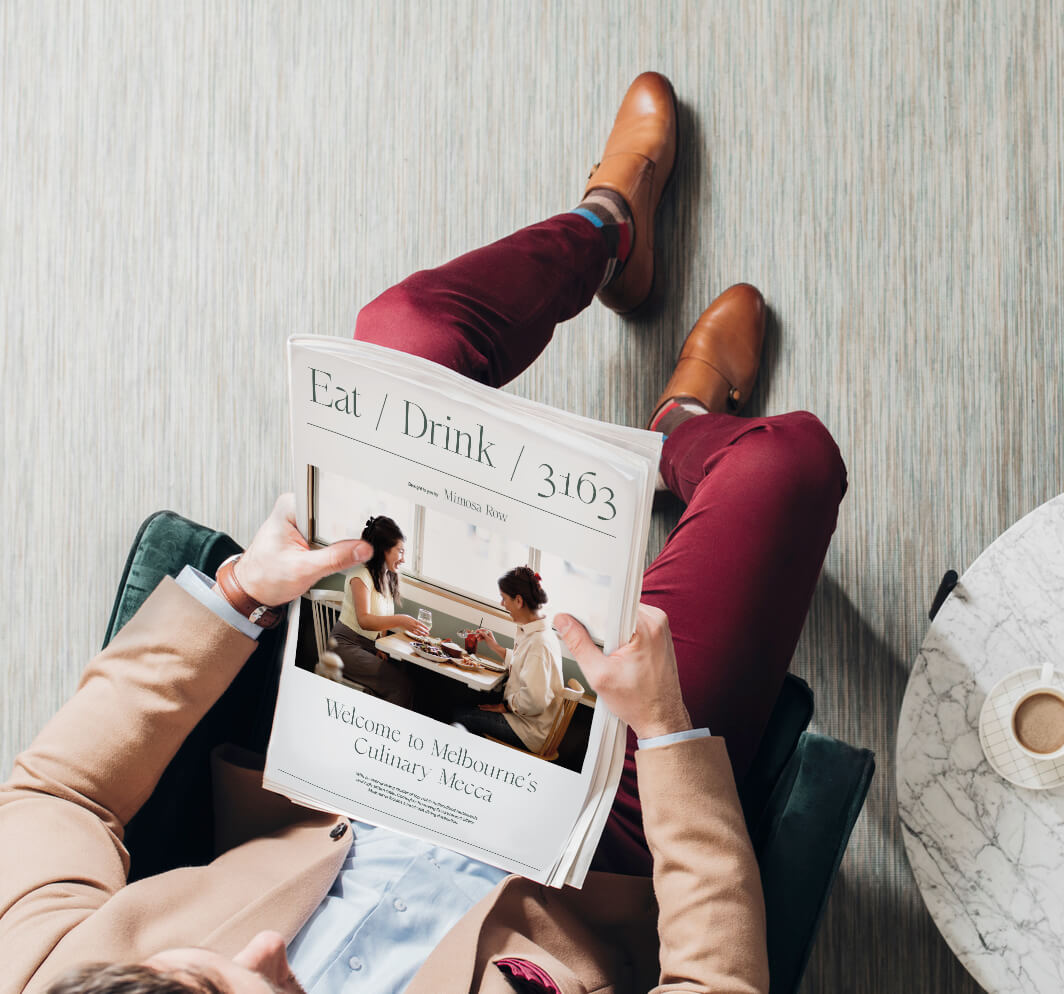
x=481, y=734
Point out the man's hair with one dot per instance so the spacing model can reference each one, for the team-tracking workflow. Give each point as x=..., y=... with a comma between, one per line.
x=118, y=978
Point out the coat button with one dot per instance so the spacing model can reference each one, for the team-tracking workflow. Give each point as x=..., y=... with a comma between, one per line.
x=355, y=963
x=338, y=830
x=399, y=905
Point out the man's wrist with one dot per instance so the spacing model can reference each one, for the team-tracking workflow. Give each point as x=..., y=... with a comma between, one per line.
x=664, y=740
x=667, y=725
x=245, y=575
x=229, y=585
x=209, y=594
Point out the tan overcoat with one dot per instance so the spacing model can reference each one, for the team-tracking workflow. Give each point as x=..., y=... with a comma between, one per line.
x=64, y=898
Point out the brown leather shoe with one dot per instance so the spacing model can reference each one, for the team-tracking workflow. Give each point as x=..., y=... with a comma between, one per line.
x=719, y=360
x=637, y=163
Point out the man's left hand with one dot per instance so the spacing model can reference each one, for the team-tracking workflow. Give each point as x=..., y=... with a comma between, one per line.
x=279, y=565
x=639, y=682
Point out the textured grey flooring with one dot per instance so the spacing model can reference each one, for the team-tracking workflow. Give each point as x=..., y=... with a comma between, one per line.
x=184, y=185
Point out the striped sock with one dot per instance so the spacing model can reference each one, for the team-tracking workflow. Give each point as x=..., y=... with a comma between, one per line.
x=608, y=212
x=669, y=418
x=675, y=413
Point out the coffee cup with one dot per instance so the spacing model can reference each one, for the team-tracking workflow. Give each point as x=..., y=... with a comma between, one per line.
x=1037, y=720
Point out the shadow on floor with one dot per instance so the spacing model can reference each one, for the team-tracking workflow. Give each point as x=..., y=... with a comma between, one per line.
x=876, y=932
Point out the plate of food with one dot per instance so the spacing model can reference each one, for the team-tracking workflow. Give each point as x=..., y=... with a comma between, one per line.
x=423, y=639
x=490, y=664
x=467, y=662
x=433, y=652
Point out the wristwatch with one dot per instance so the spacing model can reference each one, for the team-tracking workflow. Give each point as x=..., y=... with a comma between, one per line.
x=258, y=614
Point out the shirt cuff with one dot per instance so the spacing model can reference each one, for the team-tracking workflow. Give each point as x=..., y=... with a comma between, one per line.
x=664, y=740
x=199, y=585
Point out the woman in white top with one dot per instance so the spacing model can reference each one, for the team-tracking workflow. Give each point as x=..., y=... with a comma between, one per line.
x=532, y=695
x=368, y=611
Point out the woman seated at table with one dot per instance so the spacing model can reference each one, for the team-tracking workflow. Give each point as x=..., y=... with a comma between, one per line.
x=532, y=695
x=371, y=592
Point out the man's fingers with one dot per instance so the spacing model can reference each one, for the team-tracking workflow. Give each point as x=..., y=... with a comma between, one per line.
x=577, y=639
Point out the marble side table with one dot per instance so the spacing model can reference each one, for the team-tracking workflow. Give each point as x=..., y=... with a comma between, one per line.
x=988, y=856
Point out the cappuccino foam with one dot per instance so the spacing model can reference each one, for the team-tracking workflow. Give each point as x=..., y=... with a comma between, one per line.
x=1039, y=723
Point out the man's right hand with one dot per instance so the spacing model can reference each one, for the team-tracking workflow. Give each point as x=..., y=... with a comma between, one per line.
x=639, y=682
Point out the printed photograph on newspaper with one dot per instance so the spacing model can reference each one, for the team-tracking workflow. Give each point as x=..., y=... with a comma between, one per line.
x=426, y=689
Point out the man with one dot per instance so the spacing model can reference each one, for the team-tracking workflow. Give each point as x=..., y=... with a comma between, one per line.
x=733, y=584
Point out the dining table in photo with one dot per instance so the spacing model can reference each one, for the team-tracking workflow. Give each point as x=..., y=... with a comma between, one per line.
x=484, y=677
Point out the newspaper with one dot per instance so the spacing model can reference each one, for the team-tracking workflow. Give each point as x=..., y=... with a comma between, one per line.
x=479, y=481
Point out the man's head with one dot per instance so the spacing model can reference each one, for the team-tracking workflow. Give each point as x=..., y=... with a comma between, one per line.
x=261, y=967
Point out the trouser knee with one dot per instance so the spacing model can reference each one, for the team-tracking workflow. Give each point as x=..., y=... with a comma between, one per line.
x=809, y=457
x=409, y=305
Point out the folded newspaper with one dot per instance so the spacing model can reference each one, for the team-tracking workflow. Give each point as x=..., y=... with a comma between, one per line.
x=479, y=481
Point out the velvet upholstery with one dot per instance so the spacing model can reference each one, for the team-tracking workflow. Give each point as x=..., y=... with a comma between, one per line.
x=790, y=717
x=801, y=798
x=800, y=842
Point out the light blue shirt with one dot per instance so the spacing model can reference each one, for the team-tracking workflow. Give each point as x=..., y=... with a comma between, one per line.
x=393, y=901
x=200, y=586
x=395, y=897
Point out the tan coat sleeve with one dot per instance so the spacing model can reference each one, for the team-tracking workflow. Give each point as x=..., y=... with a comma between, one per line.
x=711, y=921
x=64, y=808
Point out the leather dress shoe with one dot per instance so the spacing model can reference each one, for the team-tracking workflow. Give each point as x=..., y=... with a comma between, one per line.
x=637, y=163
x=719, y=360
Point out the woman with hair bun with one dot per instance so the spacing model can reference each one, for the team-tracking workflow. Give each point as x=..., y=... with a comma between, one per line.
x=371, y=591
x=532, y=694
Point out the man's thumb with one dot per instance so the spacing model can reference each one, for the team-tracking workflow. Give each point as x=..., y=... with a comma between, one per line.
x=344, y=554
x=575, y=635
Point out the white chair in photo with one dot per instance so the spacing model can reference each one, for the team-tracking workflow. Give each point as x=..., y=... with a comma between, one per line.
x=325, y=612
x=571, y=696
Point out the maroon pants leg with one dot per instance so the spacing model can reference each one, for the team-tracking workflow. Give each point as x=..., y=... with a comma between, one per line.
x=738, y=572
x=735, y=578
x=490, y=312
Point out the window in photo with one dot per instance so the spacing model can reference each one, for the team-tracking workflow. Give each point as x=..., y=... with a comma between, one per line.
x=466, y=556
x=576, y=590
x=457, y=556
x=340, y=507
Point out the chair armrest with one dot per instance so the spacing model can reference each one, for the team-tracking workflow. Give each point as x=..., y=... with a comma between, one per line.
x=165, y=544
x=789, y=719
x=800, y=843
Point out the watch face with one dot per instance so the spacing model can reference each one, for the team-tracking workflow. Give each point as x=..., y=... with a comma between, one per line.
x=256, y=614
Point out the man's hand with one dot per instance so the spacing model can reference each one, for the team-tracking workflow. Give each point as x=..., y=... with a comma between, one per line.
x=638, y=682
x=279, y=566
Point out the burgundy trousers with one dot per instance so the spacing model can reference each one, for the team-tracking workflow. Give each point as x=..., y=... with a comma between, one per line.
x=737, y=573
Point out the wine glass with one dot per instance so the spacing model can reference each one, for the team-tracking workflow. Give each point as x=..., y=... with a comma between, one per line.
x=424, y=615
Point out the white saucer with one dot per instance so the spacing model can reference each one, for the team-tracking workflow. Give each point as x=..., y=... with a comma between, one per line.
x=1001, y=752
